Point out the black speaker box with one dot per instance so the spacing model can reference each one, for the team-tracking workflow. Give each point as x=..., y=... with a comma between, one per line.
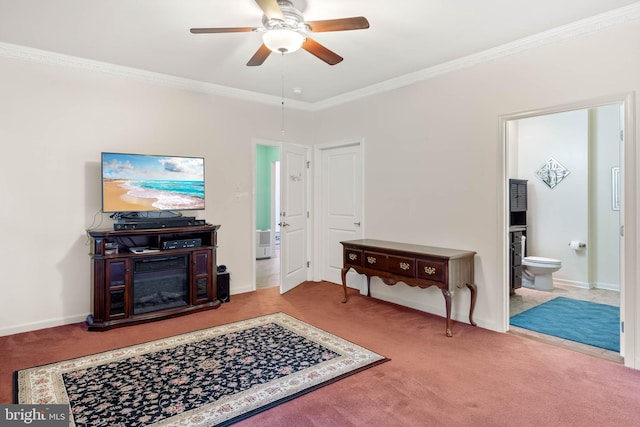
x=223, y=287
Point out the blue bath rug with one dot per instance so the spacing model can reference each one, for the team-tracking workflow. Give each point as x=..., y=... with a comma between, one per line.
x=586, y=322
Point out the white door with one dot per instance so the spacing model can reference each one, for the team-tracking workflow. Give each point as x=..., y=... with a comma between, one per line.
x=293, y=216
x=341, y=207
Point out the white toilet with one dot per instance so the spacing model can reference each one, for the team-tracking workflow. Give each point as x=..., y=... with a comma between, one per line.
x=537, y=272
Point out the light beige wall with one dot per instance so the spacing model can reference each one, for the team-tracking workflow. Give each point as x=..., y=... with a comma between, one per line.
x=54, y=123
x=433, y=163
x=434, y=155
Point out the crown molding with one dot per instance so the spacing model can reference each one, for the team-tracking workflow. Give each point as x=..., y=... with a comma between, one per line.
x=29, y=54
x=579, y=28
x=586, y=26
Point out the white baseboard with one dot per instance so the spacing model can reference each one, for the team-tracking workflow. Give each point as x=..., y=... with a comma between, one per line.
x=241, y=290
x=574, y=283
x=437, y=307
x=49, y=323
x=585, y=285
x=608, y=286
x=67, y=320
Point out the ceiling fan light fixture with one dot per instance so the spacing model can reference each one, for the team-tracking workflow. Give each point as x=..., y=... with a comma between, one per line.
x=282, y=40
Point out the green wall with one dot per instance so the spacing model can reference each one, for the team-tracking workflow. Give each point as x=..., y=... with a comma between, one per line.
x=264, y=156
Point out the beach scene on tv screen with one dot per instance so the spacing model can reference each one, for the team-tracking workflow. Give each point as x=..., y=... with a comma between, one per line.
x=150, y=183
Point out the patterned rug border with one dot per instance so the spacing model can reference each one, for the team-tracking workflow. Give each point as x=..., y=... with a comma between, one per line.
x=44, y=384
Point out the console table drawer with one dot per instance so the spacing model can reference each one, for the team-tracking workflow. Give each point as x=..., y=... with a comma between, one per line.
x=402, y=266
x=375, y=260
x=432, y=270
x=353, y=257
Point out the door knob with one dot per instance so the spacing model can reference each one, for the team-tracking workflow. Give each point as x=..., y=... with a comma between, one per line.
x=283, y=224
x=357, y=223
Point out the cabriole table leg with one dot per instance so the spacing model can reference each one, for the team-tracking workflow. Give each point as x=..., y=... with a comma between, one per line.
x=343, y=273
x=447, y=302
x=474, y=292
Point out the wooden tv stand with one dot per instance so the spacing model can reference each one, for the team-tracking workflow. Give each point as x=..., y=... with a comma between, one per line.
x=124, y=281
x=415, y=265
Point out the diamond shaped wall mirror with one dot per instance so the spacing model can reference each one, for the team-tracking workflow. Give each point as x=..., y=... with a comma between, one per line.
x=552, y=172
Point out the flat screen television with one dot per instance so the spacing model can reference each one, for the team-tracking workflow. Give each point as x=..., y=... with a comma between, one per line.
x=144, y=183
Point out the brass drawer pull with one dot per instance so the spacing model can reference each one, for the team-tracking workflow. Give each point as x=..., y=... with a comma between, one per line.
x=430, y=271
x=371, y=260
x=353, y=257
x=405, y=265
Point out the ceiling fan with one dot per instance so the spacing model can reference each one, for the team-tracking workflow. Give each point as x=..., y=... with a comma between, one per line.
x=284, y=30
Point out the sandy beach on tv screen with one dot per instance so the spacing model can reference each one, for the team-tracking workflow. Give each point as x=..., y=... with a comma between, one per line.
x=116, y=198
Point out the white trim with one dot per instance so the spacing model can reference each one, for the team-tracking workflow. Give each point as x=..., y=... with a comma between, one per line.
x=24, y=53
x=585, y=26
x=614, y=287
x=49, y=323
x=585, y=285
x=574, y=283
x=628, y=216
x=275, y=190
x=383, y=292
x=576, y=29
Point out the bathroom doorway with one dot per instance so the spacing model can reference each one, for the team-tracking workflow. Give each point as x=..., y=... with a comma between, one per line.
x=583, y=207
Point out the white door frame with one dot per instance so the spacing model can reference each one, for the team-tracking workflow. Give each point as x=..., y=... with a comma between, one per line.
x=275, y=202
x=629, y=302
x=318, y=254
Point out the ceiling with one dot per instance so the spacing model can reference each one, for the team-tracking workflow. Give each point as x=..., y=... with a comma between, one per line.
x=405, y=36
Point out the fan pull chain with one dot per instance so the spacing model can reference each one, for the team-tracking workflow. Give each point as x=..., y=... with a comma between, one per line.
x=282, y=96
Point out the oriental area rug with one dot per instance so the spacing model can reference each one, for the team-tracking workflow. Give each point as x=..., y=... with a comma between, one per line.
x=209, y=377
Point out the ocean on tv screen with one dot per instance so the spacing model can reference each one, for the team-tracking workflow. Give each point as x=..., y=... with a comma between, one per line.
x=147, y=183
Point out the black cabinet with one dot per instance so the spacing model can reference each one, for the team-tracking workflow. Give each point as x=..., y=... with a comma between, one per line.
x=517, y=230
x=517, y=202
x=516, y=248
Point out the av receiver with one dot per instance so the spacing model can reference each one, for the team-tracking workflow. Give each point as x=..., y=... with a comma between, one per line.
x=181, y=244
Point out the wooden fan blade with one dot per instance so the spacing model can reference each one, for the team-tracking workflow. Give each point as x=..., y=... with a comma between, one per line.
x=260, y=56
x=271, y=9
x=344, y=24
x=221, y=30
x=321, y=52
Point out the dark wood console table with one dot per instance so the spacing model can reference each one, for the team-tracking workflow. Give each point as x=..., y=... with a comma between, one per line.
x=132, y=286
x=415, y=265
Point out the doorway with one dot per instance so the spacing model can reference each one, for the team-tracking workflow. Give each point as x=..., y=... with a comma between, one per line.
x=267, y=251
x=586, y=144
x=287, y=262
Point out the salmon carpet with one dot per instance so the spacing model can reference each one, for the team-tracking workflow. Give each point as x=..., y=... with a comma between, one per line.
x=475, y=378
x=211, y=377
